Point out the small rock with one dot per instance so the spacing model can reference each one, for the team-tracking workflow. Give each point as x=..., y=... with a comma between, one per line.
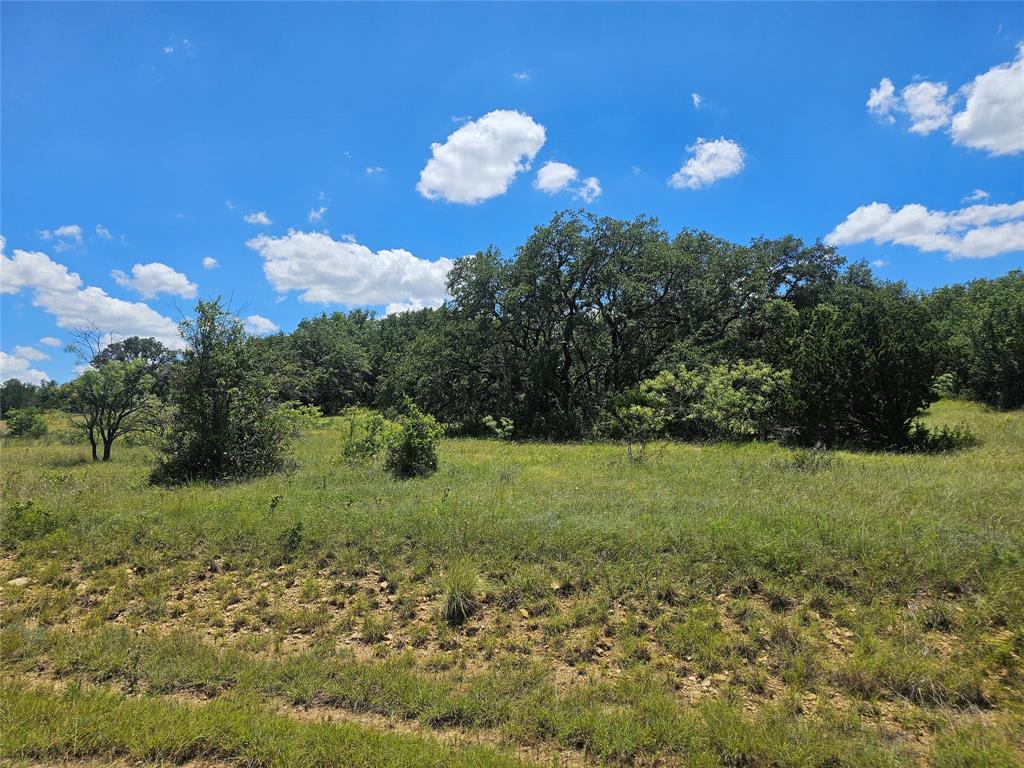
x=21, y=581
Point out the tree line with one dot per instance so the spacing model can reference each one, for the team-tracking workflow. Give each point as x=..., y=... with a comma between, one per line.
x=591, y=319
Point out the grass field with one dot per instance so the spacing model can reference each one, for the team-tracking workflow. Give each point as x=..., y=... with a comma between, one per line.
x=720, y=605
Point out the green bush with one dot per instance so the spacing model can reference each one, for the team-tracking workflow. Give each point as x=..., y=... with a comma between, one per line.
x=25, y=422
x=412, y=450
x=226, y=425
x=501, y=428
x=738, y=401
x=925, y=439
x=300, y=418
x=367, y=435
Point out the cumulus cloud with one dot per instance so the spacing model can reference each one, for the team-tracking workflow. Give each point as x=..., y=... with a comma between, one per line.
x=589, y=190
x=258, y=325
x=697, y=100
x=317, y=214
x=31, y=353
x=709, y=162
x=210, y=263
x=18, y=367
x=975, y=196
x=991, y=117
x=103, y=232
x=928, y=106
x=155, y=278
x=481, y=158
x=883, y=101
x=61, y=293
x=554, y=177
x=326, y=270
x=879, y=263
x=257, y=217
x=50, y=341
x=63, y=237
x=975, y=232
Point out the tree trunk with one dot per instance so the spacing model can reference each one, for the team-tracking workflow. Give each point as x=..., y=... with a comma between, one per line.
x=95, y=457
x=106, y=449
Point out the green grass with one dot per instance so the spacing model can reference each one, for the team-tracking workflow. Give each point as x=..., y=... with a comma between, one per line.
x=718, y=605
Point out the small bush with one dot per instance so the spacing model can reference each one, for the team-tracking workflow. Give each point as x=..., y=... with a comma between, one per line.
x=25, y=422
x=412, y=450
x=462, y=583
x=944, y=439
x=811, y=460
x=24, y=521
x=368, y=435
x=299, y=417
x=501, y=428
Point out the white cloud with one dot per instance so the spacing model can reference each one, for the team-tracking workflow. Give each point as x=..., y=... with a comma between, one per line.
x=229, y=205
x=373, y=170
x=70, y=231
x=521, y=75
x=697, y=99
x=554, y=177
x=993, y=118
x=975, y=196
x=636, y=169
x=103, y=232
x=31, y=353
x=257, y=217
x=50, y=341
x=16, y=367
x=710, y=161
x=64, y=236
x=337, y=271
x=460, y=118
x=61, y=293
x=168, y=49
x=883, y=101
x=317, y=214
x=480, y=159
x=154, y=278
x=589, y=190
x=879, y=263
x=210, y=263
x=977, y=231
x=259, y=325
x=928, y=106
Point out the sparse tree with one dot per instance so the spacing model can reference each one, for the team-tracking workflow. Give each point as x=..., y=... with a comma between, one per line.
x=111, y=398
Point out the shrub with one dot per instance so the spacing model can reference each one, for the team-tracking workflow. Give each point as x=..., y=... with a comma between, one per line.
x=412, y=450
x=226, y=423
x=367, y=435
x=719, y=402
x=863, y=367
x=925, y=439
x=636, y=425
x=25, y=422
x=24, y=521
x=815, y=459
x=501, y=428
x=300, y=418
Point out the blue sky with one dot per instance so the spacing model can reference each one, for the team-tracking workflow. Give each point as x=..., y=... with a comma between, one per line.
x=368, y=144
